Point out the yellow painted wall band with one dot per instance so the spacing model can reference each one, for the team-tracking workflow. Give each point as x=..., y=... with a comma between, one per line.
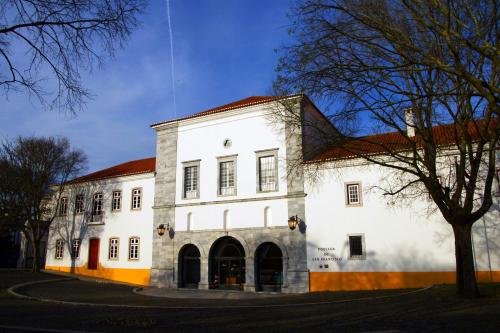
x=335, y=281
x=128, y=275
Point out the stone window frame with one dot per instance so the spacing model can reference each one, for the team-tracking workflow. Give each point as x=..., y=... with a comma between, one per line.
x=228, y=158
x=363, y=246
x=360, y=194
x=79, y=209
x=76, y=244
x=59, y=249
x=266, y=153
x=132, y=196
x=113, y=201
x=130, y=248
x=187, y=164
x=63, y=203
x=117, y=248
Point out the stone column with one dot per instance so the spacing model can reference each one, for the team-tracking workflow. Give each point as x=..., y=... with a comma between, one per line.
x=297, y=274
x=163, y=270
x=204, y=282
x=249, y=274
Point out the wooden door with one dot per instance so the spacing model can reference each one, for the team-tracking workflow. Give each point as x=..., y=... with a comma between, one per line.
x=93, y=253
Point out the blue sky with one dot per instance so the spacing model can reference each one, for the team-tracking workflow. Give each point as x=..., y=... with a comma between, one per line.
x=223, y=51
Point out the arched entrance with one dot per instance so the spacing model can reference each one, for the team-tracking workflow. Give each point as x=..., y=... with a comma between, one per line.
x=268, y=267
x=227, y=264
x=189, y=266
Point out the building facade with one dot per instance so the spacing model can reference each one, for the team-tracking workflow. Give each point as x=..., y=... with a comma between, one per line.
x=216, y=203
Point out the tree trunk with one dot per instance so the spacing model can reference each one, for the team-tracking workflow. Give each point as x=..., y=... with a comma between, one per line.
x=466, y=273
x=36, y=255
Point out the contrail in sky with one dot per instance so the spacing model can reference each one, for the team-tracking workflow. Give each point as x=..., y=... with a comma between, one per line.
x=171, y=56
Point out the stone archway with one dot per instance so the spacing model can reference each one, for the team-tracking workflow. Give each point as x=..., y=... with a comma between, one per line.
x=189, y=267
x=268, y=267
x=227, y=264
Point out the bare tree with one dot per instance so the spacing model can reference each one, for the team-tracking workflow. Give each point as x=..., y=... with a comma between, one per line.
x=45, y=44
x=427, y=72
x=33, y=174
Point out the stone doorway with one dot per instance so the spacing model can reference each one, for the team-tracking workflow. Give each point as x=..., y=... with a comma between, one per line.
x=189, y=267
x=268, y=267
x=227, y=264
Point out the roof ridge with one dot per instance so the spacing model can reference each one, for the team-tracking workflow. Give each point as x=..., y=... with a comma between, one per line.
x=229, y=106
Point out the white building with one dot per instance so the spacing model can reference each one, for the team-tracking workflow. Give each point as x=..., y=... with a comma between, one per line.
x=223, y=188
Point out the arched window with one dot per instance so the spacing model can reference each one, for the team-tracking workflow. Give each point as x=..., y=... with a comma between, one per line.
x=189, y=225
x=268, y=218
x=227, y=220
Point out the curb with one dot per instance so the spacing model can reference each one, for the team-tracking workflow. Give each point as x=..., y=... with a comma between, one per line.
x=12, y=291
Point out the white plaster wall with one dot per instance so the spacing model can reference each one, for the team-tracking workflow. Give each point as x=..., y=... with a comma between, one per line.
x=122, y=224
x=241, y=215
x=250, y=130
x=399, y=237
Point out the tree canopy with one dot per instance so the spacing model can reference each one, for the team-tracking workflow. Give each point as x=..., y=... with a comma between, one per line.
x=46, y=44
x=33, y=173
x=407, y=67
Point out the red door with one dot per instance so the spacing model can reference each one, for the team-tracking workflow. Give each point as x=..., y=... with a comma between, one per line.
x=93, y=253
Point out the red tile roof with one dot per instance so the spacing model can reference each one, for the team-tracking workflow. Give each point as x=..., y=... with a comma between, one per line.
x=249, y=101
x=391, y=142
x=125, y=169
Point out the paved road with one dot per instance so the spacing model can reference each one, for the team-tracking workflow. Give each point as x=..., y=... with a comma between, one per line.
x=435, y=310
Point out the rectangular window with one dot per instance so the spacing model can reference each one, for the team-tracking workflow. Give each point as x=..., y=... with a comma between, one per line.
x=75, y=248
x=79, y=204
x=267, y=173
x=63, y=206
x=97, y=204
x=227, y=178
x=116, y=203
x=353, y=194
x=113, y=248
x=136, y=198
x=133, y=248
x=59, y=249
x=191, y=182
x=356, y=247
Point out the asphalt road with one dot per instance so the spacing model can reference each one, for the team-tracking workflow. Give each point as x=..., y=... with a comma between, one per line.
x=433, y=310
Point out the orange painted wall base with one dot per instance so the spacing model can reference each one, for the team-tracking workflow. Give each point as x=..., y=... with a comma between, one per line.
x=128, y=275
x=336, y=281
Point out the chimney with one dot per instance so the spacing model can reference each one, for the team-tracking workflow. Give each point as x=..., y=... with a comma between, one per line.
x=410, y=122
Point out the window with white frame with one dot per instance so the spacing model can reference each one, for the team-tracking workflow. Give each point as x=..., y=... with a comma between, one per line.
x=357, y=247
x=353, y=194
x=79, y=204
x=136, y=198
x=227, y=176
x=113, y=248
x=267, y=171
x=75, y=248
x=97, y=205
x=133, y=248
x=59, y=249
x=191, y=181
x=63, y=206
x=116, y=201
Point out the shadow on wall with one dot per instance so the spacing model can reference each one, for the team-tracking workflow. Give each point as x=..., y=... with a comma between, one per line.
x=80, y=226
x=407, y=267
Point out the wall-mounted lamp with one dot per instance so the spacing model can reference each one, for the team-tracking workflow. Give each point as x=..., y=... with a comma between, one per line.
x=293, y=222
x=162, y=228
